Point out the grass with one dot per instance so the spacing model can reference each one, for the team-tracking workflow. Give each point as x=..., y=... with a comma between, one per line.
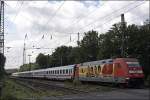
x=87, y=87
x=14, y=91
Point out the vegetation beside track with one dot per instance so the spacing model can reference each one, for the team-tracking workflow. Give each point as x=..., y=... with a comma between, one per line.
x=87, y=87
x=14, y=91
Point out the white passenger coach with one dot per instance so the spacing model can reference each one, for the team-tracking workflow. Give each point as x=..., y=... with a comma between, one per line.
x=60, y=73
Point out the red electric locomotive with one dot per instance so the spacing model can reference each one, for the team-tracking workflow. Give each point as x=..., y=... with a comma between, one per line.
x=121, y=71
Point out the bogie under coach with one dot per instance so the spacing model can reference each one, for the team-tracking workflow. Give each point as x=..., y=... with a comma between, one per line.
x=124, y=71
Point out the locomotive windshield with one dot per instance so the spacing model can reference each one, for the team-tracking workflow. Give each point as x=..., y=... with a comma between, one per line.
x=133, y=64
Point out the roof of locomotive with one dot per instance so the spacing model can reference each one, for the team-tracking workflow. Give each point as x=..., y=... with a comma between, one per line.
x=128, y=59
x=97, y=62
x=108, y=61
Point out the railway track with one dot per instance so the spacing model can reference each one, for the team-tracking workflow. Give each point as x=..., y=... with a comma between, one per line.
x=38, y=85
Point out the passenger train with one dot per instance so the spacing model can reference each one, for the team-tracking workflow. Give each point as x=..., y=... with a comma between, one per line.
x=124, y=71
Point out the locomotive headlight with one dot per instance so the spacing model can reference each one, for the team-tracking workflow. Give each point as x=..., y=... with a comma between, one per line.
x=127, y=78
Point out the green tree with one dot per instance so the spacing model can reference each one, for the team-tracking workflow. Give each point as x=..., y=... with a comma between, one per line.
x=75, y=56
x=60, y=56
x=27, y=67
x=89, y=46
x=41, y=60
x=2, y=64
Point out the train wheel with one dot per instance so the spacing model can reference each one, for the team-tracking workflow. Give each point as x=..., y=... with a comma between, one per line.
x=122, y=86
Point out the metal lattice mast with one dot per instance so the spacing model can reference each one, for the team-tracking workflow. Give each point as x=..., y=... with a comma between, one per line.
x=2, y=27
x=123, y=31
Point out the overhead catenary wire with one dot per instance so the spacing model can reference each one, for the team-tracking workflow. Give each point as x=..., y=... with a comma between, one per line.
x=113, y=18
x=107, y=16
x=93, y=10
x=119, y=14
x=77, y=20
x=54, y=14
x=108, y=21
x=51, y=18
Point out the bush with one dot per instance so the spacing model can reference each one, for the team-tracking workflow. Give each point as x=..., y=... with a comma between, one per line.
x=148, y=80
x=2, y=64
x=76, y=82
x=8, y=97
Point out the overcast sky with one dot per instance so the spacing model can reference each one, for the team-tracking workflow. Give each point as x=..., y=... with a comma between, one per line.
x=49, y=24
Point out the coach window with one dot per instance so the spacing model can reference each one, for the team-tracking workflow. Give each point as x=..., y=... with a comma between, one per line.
x=71, y=71
x=82, y=70
x=99, y=68
x=66, y=71
x=57, y=71
x=63, y=71
x=92, y=70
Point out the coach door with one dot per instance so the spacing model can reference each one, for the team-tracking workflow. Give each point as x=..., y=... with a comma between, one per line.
x=76, y=72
